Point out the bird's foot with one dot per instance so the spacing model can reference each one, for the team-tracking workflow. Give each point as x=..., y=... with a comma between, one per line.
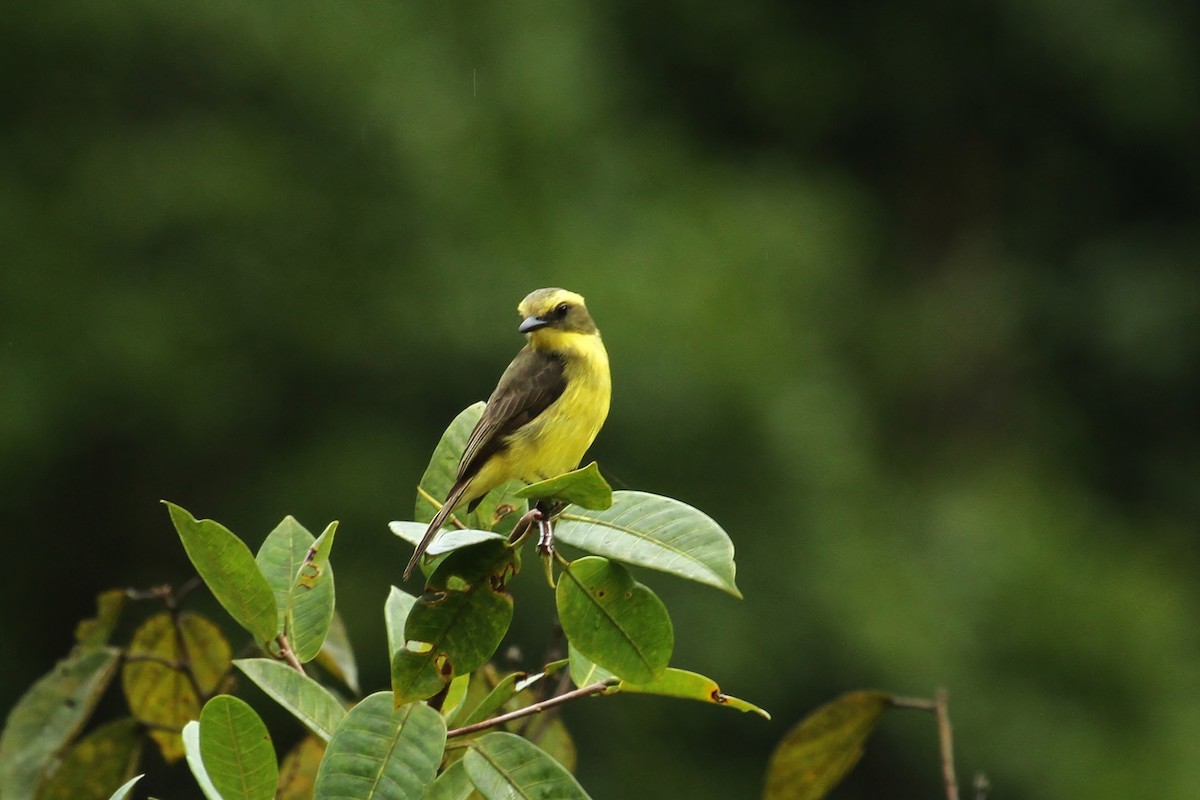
x=545, y=543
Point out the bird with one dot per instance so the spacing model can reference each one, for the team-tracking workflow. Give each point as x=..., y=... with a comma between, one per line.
x=545, y=412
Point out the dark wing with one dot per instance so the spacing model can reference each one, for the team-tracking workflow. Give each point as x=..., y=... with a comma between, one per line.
x=531, y=383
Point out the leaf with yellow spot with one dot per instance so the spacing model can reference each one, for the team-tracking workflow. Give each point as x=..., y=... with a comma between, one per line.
x=457, y=624
x=310, y=604
x=690, y=686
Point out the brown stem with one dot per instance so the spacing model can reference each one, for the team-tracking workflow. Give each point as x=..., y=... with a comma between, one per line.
x=919, y=703
x=946, y=737
x=536, y=708
x=285, y=652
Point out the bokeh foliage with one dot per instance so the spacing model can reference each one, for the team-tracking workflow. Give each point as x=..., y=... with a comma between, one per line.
x=906, y=297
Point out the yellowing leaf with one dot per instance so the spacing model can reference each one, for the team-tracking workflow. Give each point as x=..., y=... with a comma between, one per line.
x=690, y=686
x=157, y=686
x=97, y=765
x=95, y=631
x=298, y=773
x=823, y=747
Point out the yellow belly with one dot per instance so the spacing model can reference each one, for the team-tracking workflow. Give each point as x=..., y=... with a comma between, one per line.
x=557, y=439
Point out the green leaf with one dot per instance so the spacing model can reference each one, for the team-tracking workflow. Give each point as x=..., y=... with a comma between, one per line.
x=229, y=570
x=443, y=464
x=499, y=504
x=504, y=766
x=818, y=752
x=49, y=714
x=307, y=700
x=97, y=764
x=584, y=671
x=656, y=532
x=123, y=791
x=310, y=604
x=551, y=735
x=453, y=784
x=418, y=674
x=337, y=656
x=395, y=614
x=298, y=774
x=445, y=542
x=613, y=620
x=381, y=753
x=456, y=696
x=503, y=691
x=690, y=686
x=191, y=748
x=279, y=559
x=157, y=688
x=95, y=632
x=236, y=750
x=584, y=487
x=457, y=624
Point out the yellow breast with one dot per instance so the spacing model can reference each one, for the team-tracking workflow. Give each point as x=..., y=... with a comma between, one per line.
x=557, y=439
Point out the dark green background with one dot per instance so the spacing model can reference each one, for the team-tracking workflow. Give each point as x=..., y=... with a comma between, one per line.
x=906, y=296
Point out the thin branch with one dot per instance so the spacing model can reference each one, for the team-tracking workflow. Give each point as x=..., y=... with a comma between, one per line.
x=535, y=726
x=947, y=741
x=285, y=652
x=153, y=593
x=918, y=703
x=945, y=738
x=536, y=708
x=189, y=586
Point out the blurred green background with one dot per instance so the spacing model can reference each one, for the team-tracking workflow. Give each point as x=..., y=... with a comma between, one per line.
x=906, y=297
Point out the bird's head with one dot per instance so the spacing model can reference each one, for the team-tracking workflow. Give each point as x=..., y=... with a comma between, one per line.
x=548, y=315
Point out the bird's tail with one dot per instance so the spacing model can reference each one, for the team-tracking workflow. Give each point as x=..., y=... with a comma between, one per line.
x=439, y=519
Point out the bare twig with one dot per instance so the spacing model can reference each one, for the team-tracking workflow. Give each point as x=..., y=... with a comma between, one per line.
x=946, y=737
x=285, y=652
x=918, y=703
x=536, y=708
x=153, y=593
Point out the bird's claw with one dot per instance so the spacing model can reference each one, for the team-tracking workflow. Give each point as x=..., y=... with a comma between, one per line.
x=545, y=543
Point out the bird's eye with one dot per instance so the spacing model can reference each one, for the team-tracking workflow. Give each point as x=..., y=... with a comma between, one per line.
x=561, y=309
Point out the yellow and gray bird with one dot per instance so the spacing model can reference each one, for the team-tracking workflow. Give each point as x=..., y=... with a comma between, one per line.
x=545, y=412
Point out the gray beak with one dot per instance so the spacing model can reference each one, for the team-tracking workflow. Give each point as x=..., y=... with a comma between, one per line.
x=532, y=324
